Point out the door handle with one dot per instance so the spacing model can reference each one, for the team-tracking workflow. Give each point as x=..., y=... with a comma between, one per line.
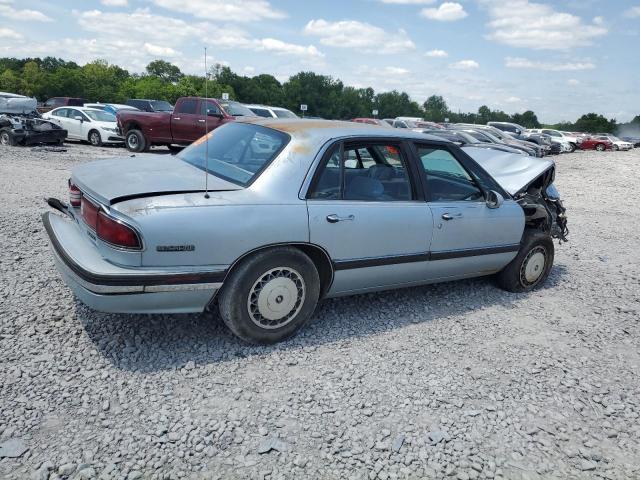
x=448, y=216
x=201, y=121
x=176, y=118
x=333, y=218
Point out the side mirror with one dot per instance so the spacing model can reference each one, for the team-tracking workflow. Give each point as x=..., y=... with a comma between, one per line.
x=79, y=118
x=494, y=199
x=214, y=113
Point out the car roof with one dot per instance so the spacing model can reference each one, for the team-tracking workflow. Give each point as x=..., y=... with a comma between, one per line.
x=329, y=129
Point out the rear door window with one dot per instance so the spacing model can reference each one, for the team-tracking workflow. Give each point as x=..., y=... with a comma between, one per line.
x=188, y=105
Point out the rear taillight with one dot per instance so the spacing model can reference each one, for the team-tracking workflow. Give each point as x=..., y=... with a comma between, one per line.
x=116, y=233
x=89, y=213
x=74, y=195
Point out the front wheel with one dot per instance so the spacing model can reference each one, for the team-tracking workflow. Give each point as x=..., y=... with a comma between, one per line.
x=572, y=147
x=532, y=265
x=135, y=141
x=95, y=139
x=269, y=296
x=6, y=138
x=600, y=147
x=616, y=148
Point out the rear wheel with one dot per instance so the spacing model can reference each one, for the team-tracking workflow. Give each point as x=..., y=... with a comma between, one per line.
x=135, y=141
x=600, y=147
x=6, y=138
x=269, y=296
x=95, y=139
x=616, y=148
x=532, y=265
x=572, y=147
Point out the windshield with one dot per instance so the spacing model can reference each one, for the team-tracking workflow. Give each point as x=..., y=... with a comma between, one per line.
x=237, y=109
x=238, y=152
x=100, y=115
x=161, y=106
x=282, y=113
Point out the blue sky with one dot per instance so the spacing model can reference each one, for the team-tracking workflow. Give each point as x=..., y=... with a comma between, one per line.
x=560, y=58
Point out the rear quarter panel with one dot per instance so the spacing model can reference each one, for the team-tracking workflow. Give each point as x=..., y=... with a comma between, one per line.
x=219, y=229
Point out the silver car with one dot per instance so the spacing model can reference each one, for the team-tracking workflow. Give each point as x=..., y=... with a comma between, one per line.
x=266, y=217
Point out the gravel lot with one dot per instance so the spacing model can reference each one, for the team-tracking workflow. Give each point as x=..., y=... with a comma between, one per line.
x=458, y=380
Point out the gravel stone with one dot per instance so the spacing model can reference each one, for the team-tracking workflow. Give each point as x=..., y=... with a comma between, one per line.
x=476, y=381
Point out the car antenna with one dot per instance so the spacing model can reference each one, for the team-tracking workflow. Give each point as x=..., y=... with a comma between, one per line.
x=206, y=127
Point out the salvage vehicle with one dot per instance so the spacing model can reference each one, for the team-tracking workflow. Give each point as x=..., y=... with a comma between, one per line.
x=508, y=127
x=617, y=143
x=112, y=108
x=635, y=141
x=271, y=112
x=56, y=102
x=574, y=141
x=147, y=105
x=486, y=136
x=463, y=138
x=596, y=143
x=21, y=124
x=191, y=118
x=87, y=124
x=371, y=121
x=265, y=217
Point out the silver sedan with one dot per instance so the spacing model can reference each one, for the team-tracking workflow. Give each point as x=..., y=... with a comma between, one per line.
x=266, y=217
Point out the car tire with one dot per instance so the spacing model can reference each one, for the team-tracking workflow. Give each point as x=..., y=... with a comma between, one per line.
x=601, y=147
x=95, y=139
x=532, y=264
x=135, y=142
x=616, y=148
x=6, y=138
x=573, y=147
x=270, y=295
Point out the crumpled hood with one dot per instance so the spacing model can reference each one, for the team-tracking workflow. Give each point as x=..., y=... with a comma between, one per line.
x=513, y=172
x=116, y=179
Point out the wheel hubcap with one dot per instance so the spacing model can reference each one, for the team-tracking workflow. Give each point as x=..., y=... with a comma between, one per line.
x=276, y=298
x=533, y=266
x=133, y=141
x=94, y=139
x=4, y=139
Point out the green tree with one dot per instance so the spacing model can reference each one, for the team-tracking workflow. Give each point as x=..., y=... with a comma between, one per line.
x=319, y=92
x=33, y=80
x=397, y=104
x=527, y=119
x=595, y=123
x=164, y=71
x=102, y=82
x=10, y=82
x=435, y=109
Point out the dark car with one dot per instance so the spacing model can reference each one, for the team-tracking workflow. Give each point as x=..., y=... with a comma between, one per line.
x=56, y=102
x=486, y=135
x=634, y=140
x=508, y=127
x=464, y=139
x=147, y=105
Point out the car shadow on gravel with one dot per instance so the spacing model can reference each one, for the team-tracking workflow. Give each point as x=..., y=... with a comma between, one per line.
x=149, y=343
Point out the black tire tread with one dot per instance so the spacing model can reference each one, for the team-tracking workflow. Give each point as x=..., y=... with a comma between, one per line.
x=509, y=277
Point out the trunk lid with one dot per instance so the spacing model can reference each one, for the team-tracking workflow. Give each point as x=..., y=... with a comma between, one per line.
x=117, y=179
x=513, y=172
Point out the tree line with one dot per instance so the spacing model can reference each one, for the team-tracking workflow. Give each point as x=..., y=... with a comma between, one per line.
x=324, y=96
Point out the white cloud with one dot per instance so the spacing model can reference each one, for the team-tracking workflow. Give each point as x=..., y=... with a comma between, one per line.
x=396, y=71
x=159, y=51
x=249, y=70
x=513, y=100
x=572, y=82
x=283, y=48
x=436, y=54
x=9, y=34
x=517, y=62
x=446, y=12
x=465, y=65
x=633, y=12
x=522, y=23
x=224, y=10
x=409, y=2
x=598, y=20
x=115, y=3
x=8, y=11
x=359, y=35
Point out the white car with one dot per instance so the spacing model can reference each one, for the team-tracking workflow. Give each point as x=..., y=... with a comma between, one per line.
x=563, y=137
x=271, y=112
x=86, y=124
x=617, y=143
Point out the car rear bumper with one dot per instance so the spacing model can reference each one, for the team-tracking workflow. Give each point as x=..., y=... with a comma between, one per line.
x=107, y=287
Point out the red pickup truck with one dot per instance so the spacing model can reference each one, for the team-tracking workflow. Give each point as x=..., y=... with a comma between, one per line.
x=191, y=118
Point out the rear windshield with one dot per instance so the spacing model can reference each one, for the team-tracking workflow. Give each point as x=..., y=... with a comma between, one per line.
x=282, y=113
x=237, y=109
x=161, y=106
x=76, y=102
x=238, y=152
